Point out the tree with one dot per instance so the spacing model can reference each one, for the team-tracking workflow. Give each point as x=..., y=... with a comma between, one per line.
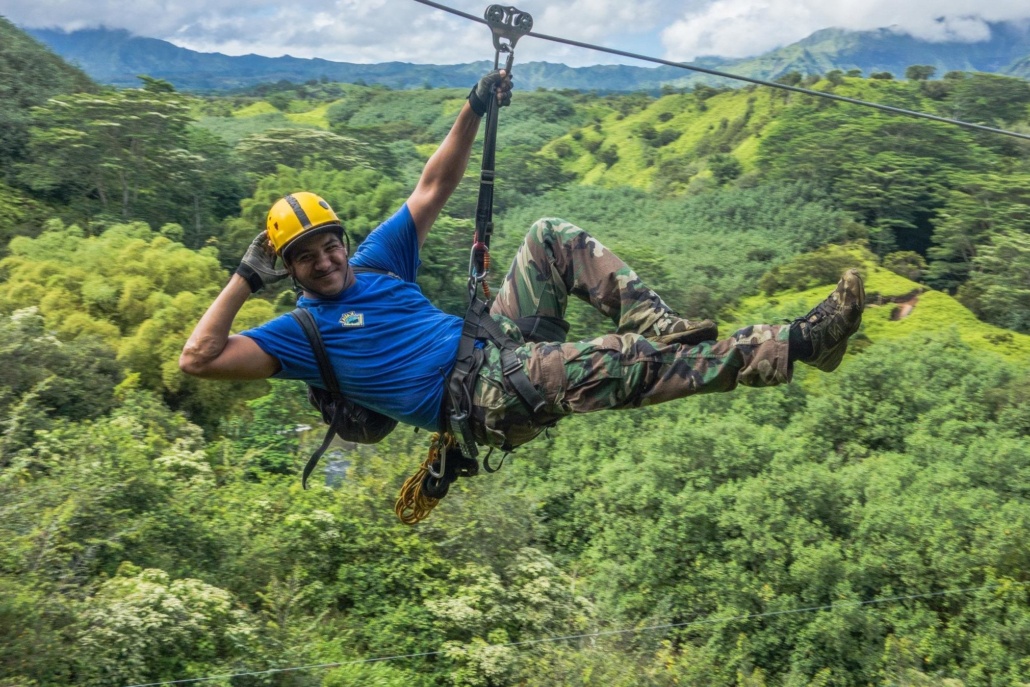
x=261, y=153
x=122, y=148
x=989, y=98
x=142, y=626
x=792, y=78
x=908, y=264
x=835, y=77
x=42, y=380
x=724, y=167
x=978, y=207
x=280, y=101
x=894, y=172
x=30, y=74
x=998, y=289
x=136, y=291
x=152, y=85
x=920, y=72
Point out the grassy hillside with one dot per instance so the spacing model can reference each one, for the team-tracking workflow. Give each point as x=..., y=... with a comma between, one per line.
x=664, y=144
x=898, y=311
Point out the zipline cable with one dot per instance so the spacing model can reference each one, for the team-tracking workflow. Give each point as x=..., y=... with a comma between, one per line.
x=602, y=633
x=748, y=79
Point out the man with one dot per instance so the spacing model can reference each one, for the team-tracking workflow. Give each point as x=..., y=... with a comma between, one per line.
x=392, y=350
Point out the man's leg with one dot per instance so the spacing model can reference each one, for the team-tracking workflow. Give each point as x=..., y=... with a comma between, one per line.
x=627, y=370
x=557, y=259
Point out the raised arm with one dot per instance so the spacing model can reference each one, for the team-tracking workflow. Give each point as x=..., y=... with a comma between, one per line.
x=211, y=352
x=446, y=167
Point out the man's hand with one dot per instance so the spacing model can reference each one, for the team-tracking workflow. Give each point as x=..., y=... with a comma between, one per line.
x=479, y=97
x=258, y=264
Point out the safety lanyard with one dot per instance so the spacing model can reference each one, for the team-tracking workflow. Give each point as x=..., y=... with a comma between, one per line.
x=508, y=24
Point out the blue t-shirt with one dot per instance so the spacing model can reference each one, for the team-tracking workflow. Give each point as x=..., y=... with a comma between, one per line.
x=391, y=348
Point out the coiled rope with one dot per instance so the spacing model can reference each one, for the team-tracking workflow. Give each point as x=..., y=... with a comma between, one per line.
x=413, y=504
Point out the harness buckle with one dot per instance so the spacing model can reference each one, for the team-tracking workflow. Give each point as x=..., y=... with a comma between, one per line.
x=462, y=429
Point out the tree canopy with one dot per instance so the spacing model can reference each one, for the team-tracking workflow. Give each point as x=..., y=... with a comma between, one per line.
x=865, y=528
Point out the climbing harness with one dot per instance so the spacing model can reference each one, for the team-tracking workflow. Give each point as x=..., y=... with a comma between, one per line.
x=454, y=451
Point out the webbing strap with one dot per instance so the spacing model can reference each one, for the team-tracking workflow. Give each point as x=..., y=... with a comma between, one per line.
x=325, y=369
x=309, y=467
x=307, y=322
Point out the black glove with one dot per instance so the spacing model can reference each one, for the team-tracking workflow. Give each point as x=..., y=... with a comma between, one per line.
x=479, y=96
x=258, y=264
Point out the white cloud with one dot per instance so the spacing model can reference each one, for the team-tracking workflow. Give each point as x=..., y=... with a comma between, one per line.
x=403, y=30
x=741, y=28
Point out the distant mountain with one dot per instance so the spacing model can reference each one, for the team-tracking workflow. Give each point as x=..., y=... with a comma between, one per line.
x=1021, y=68
x=886, y=50
x=116, y=57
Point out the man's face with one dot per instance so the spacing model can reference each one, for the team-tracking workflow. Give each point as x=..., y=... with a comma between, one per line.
x=319, y=264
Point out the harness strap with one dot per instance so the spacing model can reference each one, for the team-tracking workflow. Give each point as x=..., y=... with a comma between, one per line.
x=309, y=467
x=325, y=369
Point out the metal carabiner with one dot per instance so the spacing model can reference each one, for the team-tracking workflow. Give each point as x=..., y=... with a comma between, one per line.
x=479, y=261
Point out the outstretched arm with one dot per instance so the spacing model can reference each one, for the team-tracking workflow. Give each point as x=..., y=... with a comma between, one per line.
x=447, y=165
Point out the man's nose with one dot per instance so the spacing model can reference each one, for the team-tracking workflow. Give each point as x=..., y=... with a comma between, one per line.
x=322, y=260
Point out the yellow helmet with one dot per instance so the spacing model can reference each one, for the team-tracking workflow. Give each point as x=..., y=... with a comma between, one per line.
x=300, y=214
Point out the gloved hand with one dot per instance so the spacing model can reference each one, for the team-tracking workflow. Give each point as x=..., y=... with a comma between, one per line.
x=479, y=97
x=258, y=264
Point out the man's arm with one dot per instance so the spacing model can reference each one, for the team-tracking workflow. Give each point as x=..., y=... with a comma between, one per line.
x=211, y=353
x=447, y=165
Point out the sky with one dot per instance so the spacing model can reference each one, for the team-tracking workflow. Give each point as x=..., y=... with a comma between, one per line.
x=369, y=31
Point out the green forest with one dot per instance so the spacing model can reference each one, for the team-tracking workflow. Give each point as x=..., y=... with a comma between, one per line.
x=866, y=527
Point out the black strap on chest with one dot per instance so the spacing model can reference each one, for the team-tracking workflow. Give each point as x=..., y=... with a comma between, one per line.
x=325, y=369
x=341, y=407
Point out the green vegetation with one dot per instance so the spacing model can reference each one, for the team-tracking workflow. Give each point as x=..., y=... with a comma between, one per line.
x=154, y=527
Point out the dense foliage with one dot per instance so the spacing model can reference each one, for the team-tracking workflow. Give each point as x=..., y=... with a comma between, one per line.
x=869, y=527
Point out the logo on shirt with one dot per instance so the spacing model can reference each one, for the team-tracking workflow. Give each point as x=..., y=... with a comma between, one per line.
x=353, y=319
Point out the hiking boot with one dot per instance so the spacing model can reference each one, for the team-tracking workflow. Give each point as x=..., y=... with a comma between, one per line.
x=672, y=329
x=825, y=330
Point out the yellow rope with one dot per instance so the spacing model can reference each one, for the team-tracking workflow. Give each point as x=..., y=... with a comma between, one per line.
x=412, y=505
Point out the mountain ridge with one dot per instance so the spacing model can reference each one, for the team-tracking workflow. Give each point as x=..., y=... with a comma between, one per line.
x=116, y=57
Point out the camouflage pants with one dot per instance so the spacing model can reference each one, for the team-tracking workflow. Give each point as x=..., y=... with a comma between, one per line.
x=619, y=370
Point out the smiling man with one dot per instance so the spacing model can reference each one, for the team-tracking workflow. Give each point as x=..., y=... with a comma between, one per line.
x=393, y=352
x=305, y=232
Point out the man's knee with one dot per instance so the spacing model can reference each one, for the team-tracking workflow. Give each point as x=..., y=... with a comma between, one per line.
x=551, y=231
